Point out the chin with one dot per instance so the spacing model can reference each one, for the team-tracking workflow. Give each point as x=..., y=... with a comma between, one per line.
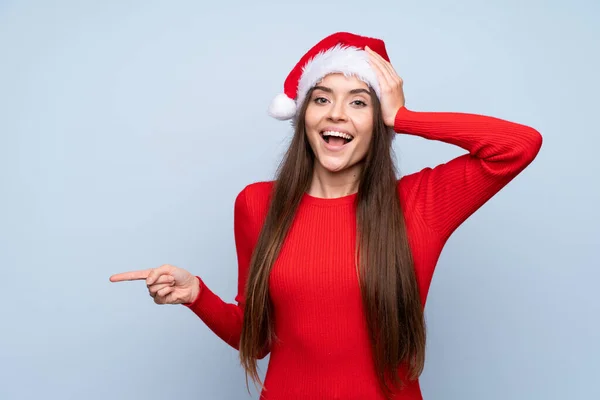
x=333, y=165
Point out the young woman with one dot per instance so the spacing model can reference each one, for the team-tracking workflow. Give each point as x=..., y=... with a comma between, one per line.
x=335, y=256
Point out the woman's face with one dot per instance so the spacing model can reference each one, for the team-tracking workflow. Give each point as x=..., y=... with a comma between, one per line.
x=339, y=121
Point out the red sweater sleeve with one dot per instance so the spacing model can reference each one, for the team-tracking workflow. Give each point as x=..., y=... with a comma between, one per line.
x=498, y=150
x=225, y=319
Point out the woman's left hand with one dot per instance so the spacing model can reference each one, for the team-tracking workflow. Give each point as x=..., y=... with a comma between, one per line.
x=391, y=85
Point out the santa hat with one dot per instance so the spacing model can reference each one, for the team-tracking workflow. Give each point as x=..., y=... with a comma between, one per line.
x=341, y=52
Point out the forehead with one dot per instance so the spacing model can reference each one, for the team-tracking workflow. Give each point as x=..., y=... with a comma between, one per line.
x=338, y=81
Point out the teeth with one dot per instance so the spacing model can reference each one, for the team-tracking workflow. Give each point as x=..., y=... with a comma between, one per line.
x=338, y=134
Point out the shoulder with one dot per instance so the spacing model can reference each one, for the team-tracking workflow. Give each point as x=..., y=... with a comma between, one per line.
x=408, y=186
x=254, y=198
x=257, y=191
x=258, y=188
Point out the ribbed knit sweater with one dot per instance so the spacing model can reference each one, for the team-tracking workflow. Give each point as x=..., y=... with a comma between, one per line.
x=324, y=350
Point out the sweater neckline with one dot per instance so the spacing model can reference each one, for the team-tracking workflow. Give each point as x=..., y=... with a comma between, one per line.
x=334, y=201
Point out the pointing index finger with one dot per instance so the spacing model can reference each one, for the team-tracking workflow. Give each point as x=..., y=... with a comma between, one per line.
x=130, y=276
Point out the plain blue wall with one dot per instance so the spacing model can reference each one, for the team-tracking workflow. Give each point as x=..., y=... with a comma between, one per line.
x=127, y=129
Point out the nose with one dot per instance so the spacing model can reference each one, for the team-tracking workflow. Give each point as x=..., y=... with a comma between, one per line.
x=337, y=111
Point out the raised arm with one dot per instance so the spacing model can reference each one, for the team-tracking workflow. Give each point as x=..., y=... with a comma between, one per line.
x=448, y=194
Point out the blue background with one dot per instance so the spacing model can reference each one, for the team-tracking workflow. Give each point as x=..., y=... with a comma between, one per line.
x=127, y=128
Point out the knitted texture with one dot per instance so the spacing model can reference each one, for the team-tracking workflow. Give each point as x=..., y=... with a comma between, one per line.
x=324, y=350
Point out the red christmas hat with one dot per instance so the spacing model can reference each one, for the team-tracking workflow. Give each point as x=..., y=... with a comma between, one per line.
x=341, y=52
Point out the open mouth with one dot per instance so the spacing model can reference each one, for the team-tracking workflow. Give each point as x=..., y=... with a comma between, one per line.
x=336, y=138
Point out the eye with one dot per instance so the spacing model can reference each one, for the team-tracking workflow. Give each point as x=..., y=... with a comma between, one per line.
x=318, y=100
x=359, y=103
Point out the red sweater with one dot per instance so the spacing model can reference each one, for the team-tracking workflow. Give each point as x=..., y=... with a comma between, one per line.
x=324, y=350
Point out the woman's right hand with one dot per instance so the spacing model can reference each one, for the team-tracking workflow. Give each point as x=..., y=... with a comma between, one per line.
x=167, y=284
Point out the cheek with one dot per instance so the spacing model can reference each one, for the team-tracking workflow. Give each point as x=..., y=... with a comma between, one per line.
x=311, y=121
x=363, y=121
x=311, y=116
x=366, y=124
x=312, y=140
x=366, y=129
x=365, y=145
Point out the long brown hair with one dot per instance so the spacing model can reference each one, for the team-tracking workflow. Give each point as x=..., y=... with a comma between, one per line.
x=384, y=261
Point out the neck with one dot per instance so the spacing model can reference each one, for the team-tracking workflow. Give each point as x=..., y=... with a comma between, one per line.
x=327, y=184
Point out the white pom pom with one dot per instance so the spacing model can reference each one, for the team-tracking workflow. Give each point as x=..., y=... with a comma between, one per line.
x=282, y=107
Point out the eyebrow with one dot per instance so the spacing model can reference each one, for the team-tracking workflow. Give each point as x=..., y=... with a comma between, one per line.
x=353, y=91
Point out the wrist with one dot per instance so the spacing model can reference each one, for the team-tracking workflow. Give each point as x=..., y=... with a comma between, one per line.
x=195, y=290
x=392, y=122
